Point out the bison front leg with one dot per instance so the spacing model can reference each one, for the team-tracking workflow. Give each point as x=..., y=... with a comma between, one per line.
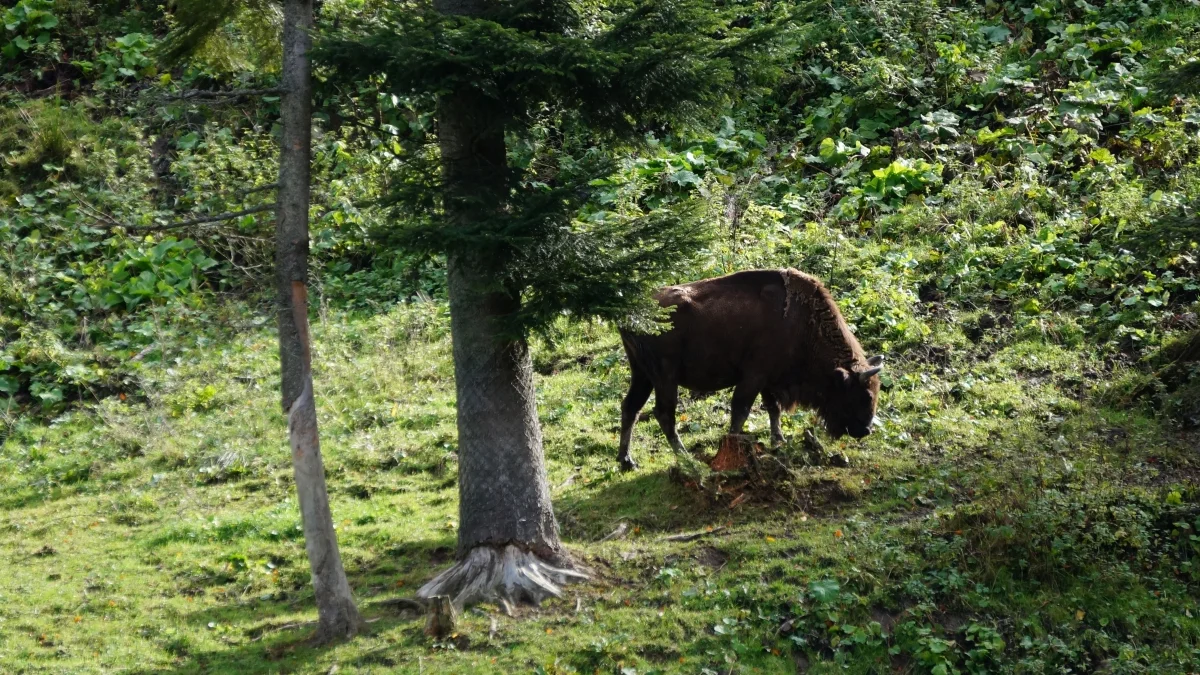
x=773, y=411
x=666, y=399
x=639, y=391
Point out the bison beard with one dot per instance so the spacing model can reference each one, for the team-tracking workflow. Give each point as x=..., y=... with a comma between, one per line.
x=772, y=333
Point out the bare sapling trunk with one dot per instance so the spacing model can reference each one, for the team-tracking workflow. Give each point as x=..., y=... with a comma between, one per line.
x=508, y=545
x=337, y=614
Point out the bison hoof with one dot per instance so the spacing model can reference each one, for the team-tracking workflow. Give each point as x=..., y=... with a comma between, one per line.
x=627, y=464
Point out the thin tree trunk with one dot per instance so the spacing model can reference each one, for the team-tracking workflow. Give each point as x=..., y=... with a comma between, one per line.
x=337, y=615
x=508, y=545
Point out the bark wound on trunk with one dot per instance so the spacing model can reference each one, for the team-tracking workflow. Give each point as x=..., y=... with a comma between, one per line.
x=337, y=615
x=508, y=546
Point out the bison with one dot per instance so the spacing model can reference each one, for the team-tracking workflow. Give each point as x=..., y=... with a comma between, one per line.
x=774, y=333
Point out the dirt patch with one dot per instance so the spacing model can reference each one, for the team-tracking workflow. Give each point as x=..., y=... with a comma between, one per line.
x=885, y=618
x=952, y=622
x=711, y=558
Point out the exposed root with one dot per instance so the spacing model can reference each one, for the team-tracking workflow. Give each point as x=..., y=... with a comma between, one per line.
x=505, y=575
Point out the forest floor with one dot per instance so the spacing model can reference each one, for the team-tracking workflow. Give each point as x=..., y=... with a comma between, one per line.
x=1014, y=512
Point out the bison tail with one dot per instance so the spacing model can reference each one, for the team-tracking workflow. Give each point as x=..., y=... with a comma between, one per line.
x=641, y=353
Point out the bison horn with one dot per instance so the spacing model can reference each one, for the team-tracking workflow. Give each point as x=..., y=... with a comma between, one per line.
x=875, y=361
x=868, y=374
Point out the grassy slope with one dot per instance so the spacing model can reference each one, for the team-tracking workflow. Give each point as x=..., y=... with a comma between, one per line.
x=163, y=537
x=1018, y=510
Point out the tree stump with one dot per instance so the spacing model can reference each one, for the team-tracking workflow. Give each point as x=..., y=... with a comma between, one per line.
x=440, y=624
x=734, y=453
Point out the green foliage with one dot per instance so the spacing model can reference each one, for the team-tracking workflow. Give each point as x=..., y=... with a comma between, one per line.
x=198, y=21
x=27, y=26
x=78, y=300
x=128, y=58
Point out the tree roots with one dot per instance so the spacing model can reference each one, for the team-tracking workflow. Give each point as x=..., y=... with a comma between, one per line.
x=506, y=575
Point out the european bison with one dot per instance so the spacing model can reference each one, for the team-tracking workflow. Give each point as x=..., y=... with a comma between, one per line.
x=776, y=333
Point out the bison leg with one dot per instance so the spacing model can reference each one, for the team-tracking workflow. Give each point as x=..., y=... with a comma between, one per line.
x=743, y=400
x=639, y=391
x=773, y=411
x=666, y=398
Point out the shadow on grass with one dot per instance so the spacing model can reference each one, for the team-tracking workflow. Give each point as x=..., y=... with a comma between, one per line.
x=277, y=642
x=655, y=502
x=290, y=649
x=280, y=641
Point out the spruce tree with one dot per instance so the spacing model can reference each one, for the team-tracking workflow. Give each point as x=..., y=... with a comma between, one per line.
x=517, y=258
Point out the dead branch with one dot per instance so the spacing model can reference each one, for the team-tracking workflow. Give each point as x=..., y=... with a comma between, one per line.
x=257, y=188
x=205, y=219
x=231, y=94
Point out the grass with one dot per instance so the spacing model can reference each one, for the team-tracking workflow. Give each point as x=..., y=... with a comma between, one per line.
x=1002, y=519
x=1028, y=505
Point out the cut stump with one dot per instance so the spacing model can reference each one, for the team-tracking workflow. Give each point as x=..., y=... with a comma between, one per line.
x=734, y=453
x=440, y=623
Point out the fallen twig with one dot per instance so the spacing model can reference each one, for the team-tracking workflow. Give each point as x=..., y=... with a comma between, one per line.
x=618, y=533
x=401, y=603
x=692, y=536
x=258, y=633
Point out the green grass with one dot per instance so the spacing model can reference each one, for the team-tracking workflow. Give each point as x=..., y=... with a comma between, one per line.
x=1002, y=519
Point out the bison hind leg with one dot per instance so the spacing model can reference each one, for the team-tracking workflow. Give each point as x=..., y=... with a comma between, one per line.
x=639, y=391
x=666, y=399
x=773, y=407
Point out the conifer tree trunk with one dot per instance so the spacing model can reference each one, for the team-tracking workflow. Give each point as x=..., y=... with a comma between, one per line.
x=337, y=615
x=508, y=545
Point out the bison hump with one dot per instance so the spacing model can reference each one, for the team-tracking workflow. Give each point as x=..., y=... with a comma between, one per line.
x=675, y=295
x=773, y=295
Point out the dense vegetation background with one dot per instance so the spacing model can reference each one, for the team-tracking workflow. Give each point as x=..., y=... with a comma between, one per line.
x=1001, y=195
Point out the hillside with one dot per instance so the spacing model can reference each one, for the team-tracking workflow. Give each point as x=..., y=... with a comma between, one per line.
x=1000, y=195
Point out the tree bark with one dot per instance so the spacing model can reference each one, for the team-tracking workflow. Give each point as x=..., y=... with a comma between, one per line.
x=292, y=198
x=337, y=614
x=508, y=545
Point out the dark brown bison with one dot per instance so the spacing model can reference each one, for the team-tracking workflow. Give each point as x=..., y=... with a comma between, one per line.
x=776, y=333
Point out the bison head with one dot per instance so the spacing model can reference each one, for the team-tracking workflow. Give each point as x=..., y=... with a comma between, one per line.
x=850, y=405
